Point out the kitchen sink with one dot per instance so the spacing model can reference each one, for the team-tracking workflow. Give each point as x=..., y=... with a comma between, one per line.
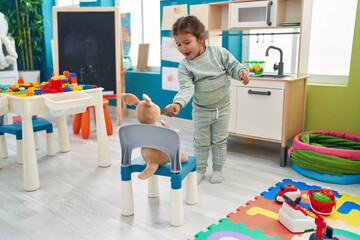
x=270, y=76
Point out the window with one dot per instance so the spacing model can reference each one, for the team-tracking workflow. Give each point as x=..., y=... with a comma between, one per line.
x=66, y=3
x=145, y=27
x=259, y=40
x=331, y=40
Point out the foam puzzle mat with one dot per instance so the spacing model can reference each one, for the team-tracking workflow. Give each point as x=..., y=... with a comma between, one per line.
x=258, y=220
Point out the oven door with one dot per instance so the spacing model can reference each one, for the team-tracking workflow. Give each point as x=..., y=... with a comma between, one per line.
x=252, y=14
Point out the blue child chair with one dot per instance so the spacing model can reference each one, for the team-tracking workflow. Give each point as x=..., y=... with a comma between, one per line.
x=16, y=129
x=167, y=140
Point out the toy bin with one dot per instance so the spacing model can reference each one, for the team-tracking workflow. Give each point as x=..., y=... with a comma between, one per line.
x=323, y=208
x=4, y=108
x=62, y=104
x=256, y=67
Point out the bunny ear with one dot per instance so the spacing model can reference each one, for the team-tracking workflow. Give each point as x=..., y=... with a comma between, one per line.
x=147, y=100
x=130, y=99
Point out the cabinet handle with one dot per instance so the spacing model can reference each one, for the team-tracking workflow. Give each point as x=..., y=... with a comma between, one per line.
x=267, y=93
x=268, y=13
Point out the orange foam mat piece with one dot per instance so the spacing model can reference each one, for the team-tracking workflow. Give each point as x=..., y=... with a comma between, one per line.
x=262, y=214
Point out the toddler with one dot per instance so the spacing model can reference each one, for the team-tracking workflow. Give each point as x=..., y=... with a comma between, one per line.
x=203, y=75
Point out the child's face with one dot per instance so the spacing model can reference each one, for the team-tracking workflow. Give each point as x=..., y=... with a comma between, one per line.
x=189, y=46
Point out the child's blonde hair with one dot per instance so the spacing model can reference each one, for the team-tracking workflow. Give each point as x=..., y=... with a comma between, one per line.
x=188, y=24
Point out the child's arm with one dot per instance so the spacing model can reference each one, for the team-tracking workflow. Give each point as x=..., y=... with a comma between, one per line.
x=187, y=86
x=233, y=67
x=185, y=93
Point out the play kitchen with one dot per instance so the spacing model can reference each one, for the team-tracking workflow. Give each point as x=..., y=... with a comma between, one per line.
x=279, y=100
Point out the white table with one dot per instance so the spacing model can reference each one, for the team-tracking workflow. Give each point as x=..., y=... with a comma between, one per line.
x=29, y=106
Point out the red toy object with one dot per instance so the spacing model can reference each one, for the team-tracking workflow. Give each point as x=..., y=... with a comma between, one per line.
x=20, y=81
x=321, y=225
x=322, y=208
x=290, y=191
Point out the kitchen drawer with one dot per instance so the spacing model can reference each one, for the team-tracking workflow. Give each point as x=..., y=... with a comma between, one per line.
x=259, y=84
x=259, y=112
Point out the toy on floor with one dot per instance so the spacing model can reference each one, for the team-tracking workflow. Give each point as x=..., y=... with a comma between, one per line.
x=322, y=201
x=288, y=190
x=249, y=142
x=293, y=217
x=321, y=229
x=148, y=112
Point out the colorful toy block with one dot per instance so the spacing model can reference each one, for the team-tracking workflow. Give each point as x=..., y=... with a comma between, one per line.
x=61, y=83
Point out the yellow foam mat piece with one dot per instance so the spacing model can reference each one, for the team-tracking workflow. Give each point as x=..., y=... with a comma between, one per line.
x=353, y=217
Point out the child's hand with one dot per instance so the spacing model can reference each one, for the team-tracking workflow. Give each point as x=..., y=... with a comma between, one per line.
x=172, y=110
x=244, y=75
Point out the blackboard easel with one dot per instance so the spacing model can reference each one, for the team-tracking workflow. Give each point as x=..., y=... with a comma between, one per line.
x=87, y=41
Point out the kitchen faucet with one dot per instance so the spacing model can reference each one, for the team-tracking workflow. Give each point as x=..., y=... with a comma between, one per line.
x=280, y=65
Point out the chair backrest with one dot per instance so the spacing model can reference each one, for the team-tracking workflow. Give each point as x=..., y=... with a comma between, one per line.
x=144, y=135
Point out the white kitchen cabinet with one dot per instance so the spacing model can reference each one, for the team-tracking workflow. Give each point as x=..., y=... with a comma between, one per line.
x=269, y=110
x=259, y=112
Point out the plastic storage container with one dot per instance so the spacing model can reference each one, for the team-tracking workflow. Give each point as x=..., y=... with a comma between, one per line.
x=256, y=67
x=323, y=208
x=62, y=104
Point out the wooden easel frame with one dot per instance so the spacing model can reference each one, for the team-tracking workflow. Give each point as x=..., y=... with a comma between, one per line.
x=120, y=79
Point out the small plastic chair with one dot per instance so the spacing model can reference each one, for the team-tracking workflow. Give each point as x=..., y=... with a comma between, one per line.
x=167, y=140
x=16, y=129
x=82, y=120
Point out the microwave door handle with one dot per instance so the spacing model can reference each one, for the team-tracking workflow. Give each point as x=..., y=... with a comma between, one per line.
x=268, y=13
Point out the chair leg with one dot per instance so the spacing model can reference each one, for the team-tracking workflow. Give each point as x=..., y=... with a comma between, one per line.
x=3, y=148
x=153, y=186
x=127, y=202
x=85, y=124
x=176, y=208
x=191, y=189
x=20, y=153
x=77, y=123
x=50, y=144
x=109, y=127
x=37, y=140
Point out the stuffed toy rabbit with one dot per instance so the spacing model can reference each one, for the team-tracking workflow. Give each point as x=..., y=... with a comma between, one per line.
x=148, y=112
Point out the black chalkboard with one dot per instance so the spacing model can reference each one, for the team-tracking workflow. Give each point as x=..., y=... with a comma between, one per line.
x=86, y=45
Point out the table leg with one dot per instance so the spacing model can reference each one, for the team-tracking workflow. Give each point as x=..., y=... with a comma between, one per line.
x=64, y=144
x=102, y=142
x=30, y=167
x=283, y=156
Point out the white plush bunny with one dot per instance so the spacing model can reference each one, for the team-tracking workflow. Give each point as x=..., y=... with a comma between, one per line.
x=5, y=61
